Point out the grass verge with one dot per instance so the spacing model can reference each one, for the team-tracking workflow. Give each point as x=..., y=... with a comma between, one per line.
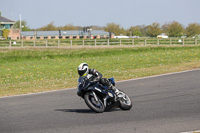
x=25, y=71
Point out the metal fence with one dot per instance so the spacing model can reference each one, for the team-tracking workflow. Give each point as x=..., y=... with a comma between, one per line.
x=98, y=42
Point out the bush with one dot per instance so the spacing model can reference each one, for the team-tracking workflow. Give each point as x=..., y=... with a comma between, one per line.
x=6, y=33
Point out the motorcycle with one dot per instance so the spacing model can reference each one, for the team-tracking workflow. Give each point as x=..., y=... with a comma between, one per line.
x=99, y=98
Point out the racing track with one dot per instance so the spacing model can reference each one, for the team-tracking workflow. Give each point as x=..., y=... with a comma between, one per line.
x=161, y=104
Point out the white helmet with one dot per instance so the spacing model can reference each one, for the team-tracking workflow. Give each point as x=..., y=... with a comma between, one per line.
x=83, y=69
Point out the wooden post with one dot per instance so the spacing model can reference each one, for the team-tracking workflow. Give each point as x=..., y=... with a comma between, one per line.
x=58, y=43
x=145, y=42
x=46, y=43
x=10, y=43
x=108, y=42
x=158, y=42
x=183, y=42
x=120, y=42
x=133, y=42
x=71, y=42
x=170, y=41
x=83, y=42
x=95, y=42
x=22, y=43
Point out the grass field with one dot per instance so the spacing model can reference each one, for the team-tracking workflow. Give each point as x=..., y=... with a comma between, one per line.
x=35, y=70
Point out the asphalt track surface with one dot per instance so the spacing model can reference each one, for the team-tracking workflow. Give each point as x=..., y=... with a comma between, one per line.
x=161, y=104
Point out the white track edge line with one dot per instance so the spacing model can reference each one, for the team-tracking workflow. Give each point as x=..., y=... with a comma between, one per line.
x=116, y=82
x=160, y=75
x=198, y=131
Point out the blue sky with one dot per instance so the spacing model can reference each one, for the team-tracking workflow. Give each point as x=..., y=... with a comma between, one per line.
x=126, y=13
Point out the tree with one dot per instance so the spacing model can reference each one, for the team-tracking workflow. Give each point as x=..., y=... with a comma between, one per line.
x=153, y=30
x=192, y=29
x=114, y=28
x=6, y=33
x=165, y=27
x=175, y=29
x=23, y=24
x=48, y=27
x=135, y=31
x=68, y=27
x=143, y=29
x=97, y=27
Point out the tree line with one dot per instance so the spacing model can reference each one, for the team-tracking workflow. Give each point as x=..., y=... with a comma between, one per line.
x=172, y=29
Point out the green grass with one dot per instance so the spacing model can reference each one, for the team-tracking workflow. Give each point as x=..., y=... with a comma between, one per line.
x=35, y=70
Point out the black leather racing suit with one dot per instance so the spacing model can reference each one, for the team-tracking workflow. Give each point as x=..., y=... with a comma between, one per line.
x=103, y=81
x=98, y=77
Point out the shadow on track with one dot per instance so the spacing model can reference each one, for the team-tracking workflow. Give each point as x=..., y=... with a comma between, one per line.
x=75, y=110
x=88, y=111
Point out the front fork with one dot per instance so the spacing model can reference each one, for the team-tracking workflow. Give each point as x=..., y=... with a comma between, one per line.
x=104, y=99
x=95, y=96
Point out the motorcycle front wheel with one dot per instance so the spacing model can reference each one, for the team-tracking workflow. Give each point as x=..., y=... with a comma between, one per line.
x=94, y=104
x=125, y=102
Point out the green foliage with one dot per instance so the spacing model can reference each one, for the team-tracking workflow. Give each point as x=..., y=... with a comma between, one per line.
x=115, y=28
x=153, y=30
x=172, y=29
x=193, y=29
x=164, y=28
x=175, y=29
x=23, y=24
x=48, y=27
x=68, y=27
x=6, y=33
x=52, y=27
x=143, y=29
x=135, y=31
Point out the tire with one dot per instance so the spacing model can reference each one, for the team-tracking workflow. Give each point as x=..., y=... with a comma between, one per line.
x=97, y=107
x=125, y=102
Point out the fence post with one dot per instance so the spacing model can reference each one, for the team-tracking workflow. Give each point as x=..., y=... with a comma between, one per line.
x=71, y=43
x=120, y=42
x=158, y=42
x=10, y=43
x=133, y=42
x=170, y=41
x=58, y=43
x=183, y=42
x=195, y=41
x=83, y=42
x=34, y=43
x=22, y=43
x=145, y=42
x=108, y=42
x=95, y=43
x=46, y=43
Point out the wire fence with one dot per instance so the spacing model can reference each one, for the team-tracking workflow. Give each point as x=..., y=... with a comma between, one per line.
x=98, y=42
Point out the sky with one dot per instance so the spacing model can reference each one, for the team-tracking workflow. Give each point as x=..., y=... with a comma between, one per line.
x=126, y=13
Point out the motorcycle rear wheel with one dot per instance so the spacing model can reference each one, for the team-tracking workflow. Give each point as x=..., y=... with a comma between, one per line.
x=96, y=106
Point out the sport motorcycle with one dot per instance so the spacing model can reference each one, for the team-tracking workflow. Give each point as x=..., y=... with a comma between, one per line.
x=100, y=98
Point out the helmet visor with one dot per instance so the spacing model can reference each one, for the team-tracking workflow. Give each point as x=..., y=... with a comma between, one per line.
x=81, y=72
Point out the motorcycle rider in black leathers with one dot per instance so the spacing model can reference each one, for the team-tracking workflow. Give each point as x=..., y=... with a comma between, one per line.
x=83, y=70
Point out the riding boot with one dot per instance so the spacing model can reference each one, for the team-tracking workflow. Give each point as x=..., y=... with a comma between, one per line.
x=116, y=91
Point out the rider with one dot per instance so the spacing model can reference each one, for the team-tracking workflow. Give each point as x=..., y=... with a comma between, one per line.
x=83, y=70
